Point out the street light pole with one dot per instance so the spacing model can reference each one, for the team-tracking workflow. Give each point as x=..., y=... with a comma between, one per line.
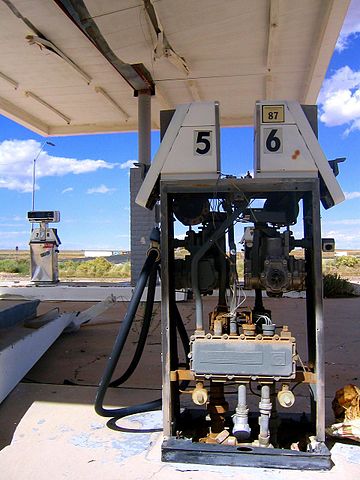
x=34, y=171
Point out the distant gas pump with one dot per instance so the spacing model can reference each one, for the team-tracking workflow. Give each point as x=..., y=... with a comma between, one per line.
x=44, y=243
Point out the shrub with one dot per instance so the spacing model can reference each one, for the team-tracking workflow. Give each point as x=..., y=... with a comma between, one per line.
x=350, y=261
x=121, y=270
x=15, y=266
x=97, y=268
x=94, y=268
x=68, y=268
x=337, y=287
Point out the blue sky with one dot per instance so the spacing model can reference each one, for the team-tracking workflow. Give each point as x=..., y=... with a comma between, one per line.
x=87, y=177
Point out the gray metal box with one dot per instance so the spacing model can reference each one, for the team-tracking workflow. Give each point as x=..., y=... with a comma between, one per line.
x=238, y=357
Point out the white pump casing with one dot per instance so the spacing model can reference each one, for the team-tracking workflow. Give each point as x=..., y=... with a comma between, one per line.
x=190, y=149
x=286, y=147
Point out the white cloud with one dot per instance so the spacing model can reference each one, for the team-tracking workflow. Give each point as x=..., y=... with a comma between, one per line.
x=101, y=189
x=352, y=195
x=67, y=190
x=13, y=234
x=351, y=26
x=340, y=99
x=344, y=239
x=128, y=164
x=16, y=163
x=9, y=225
x=345, y=221
x=15, y=184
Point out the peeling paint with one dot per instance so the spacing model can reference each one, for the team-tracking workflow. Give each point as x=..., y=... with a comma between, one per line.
x=65, y=428
x=132, y=444
x=97, y=426
x=84, y=440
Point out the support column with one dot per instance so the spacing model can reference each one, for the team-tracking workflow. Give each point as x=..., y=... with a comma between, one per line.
x=141, y=219
x=144, y=127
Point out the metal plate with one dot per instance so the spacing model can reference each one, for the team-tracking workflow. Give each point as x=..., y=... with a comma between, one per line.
x=179, y=450
x=237, y=357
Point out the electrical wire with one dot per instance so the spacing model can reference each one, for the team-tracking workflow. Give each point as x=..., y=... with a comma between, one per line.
x=295, y=386
x=252, y=391
x=265, y=318
x=301, y=362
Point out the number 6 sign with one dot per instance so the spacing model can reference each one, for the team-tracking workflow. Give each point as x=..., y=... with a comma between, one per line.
x=273, y=142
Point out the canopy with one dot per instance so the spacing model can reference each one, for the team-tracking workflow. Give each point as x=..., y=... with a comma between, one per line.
x=75, y=66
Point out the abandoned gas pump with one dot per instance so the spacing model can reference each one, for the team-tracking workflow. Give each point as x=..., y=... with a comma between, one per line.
x=239, y=350
x=44, y=247
x=242, y=363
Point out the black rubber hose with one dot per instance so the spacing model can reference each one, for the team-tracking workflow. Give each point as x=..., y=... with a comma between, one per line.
x=149, y=270
x=155, y=404
x=121, y=338
x=140, y=408
x=144, y=330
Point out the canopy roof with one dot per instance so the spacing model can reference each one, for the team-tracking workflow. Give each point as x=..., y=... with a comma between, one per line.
x=75, y=66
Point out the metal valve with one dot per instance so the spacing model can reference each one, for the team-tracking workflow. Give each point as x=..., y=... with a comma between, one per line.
x=200, y=394
x=286, y=397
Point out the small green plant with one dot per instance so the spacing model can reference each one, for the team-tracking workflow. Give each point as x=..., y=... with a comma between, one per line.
x=121, y=270
x=67, y=268
x=97, y=268
x=94, y=268
x=348, y=261
x=337, y=287
x=15, y=266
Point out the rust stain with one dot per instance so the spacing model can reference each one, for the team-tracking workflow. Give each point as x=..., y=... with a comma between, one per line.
x=296, y=154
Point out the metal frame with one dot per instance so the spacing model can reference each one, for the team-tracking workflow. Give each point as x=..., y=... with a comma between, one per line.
x=179, y=450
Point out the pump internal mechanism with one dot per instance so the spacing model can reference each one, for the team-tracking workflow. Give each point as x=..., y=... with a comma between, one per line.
x=243, y=362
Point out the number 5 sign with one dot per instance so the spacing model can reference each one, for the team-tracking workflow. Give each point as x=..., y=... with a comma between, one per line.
x=203, y=142
x=273, y=141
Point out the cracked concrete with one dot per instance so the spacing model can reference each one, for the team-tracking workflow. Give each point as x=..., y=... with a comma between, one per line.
x=48, y=420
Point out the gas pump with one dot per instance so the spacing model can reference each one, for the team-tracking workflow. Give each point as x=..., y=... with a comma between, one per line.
x=240, y=347
x=44, y=243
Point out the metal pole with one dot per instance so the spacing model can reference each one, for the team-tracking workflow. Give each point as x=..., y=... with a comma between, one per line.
x=144, y=126
x=165, y=316
x=141, y=220
x=34, y=172
x=319, y=318
x=314, y=307
x=33, y=185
